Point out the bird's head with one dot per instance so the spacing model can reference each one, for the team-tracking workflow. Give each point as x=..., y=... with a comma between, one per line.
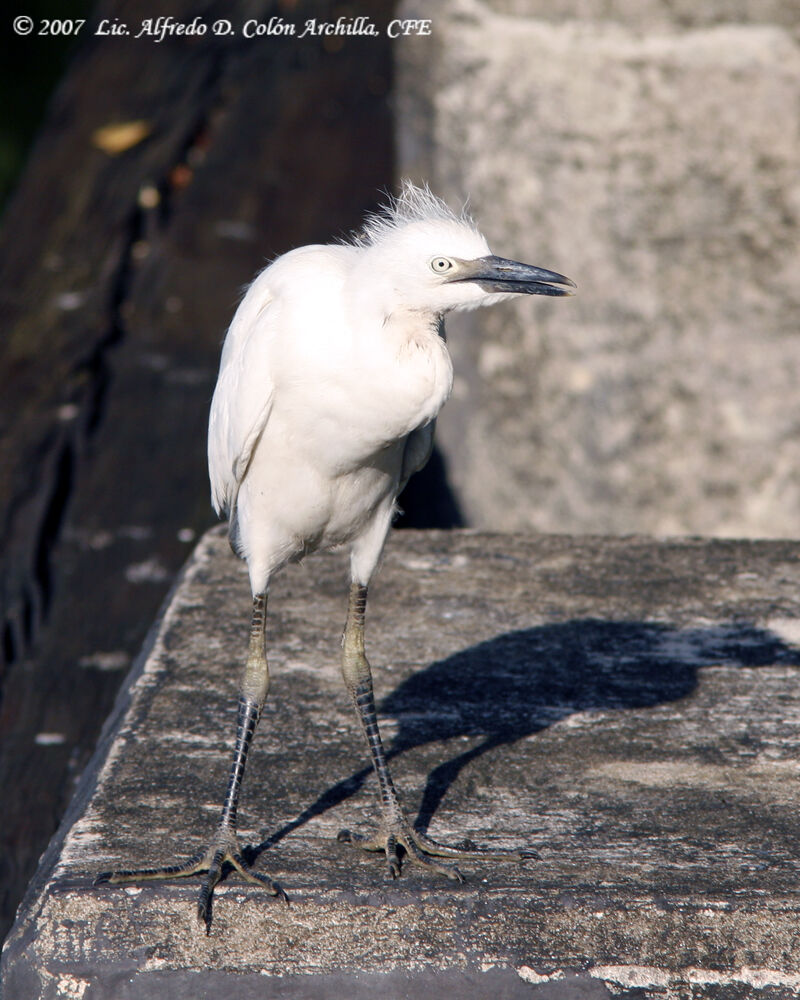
x=423, y=256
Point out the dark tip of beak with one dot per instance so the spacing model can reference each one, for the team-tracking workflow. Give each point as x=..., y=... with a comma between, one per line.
x=496, y=274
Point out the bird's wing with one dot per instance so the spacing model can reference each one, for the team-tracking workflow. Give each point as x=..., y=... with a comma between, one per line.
x=243, y=395
x=419, y=445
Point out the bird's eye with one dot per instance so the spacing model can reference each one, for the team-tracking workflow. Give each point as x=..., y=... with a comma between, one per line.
x=441, y=264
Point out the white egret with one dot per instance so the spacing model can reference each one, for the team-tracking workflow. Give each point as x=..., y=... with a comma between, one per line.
x=332, y=374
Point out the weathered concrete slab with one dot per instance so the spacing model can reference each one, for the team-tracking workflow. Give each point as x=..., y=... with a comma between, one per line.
x=649, y=151
x=628, y=707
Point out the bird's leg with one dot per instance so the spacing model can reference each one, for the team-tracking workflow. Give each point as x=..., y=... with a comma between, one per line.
x=395, y=828
x=224, y=848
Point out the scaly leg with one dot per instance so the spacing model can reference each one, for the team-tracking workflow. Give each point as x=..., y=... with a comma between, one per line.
x=224, y=848
x=395, y=829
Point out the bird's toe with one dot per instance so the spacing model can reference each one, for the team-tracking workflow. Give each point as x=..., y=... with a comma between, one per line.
x=401, y=843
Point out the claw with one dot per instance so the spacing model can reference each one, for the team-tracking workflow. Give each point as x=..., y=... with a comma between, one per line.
x=392, y=860
x=223, y=851
x=422, y=850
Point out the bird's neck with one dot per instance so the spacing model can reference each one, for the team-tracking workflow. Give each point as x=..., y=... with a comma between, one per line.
x=414, y=330
x=415, y=350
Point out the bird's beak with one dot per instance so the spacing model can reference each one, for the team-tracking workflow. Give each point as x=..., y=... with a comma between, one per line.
x=496, y=274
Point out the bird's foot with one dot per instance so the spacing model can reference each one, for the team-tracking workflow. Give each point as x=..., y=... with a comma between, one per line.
x=424, y=851
x=223, y=853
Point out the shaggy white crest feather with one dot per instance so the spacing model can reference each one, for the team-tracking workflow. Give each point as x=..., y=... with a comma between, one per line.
x=412, y=204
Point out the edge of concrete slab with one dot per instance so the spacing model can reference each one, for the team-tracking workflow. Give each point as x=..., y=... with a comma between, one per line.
x=87, y=782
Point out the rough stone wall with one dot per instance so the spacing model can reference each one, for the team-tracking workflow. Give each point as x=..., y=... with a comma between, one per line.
x=651, y=152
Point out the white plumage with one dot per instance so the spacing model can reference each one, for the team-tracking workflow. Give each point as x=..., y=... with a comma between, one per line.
x=333, y=371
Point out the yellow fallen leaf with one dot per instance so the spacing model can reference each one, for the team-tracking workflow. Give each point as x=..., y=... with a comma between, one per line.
x=116, y=138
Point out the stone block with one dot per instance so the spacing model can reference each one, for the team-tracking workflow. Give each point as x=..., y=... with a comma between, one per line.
x=653, y=158
x=627, y=707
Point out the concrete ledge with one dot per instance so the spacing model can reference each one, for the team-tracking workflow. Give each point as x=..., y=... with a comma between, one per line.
x=628, y=707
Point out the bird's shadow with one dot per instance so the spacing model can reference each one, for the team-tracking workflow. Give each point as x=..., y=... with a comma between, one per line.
x=518, y=683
